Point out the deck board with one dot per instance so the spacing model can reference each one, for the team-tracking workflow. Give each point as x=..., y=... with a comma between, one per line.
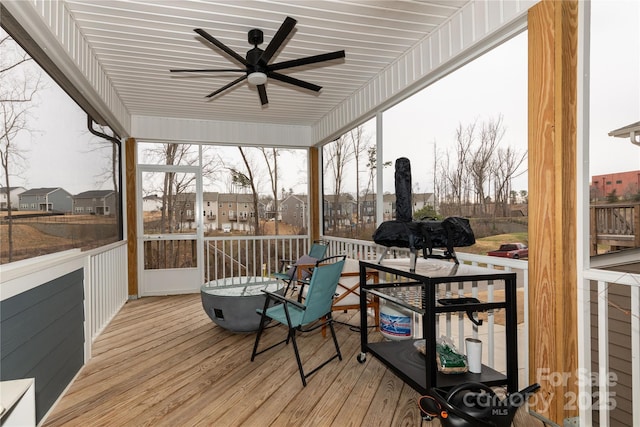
x=162, y=361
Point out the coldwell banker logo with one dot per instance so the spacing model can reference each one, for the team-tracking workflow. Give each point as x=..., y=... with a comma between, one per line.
x=597, y=399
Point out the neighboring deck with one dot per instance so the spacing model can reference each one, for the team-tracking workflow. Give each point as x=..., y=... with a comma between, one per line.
x=162, y=361
x=616, y=225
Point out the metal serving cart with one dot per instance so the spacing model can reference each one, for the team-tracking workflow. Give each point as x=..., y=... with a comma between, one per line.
x=417, y=291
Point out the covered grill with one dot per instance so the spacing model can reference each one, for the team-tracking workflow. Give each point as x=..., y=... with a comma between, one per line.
x=425, y=234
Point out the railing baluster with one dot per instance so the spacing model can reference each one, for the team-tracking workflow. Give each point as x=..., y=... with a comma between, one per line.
x=603, y=352
x=635, y=354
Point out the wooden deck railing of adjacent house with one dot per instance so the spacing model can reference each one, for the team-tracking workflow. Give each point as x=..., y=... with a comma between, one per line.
x=616, y=225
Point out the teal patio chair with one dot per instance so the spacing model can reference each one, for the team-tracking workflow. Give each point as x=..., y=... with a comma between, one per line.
x=304, y=317
x=294, y=271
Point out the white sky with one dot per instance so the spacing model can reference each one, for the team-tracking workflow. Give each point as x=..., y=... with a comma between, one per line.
x=493, y=84
x=615, y=84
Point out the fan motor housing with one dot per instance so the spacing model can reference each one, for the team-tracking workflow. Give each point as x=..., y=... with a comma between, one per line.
x=253, y=58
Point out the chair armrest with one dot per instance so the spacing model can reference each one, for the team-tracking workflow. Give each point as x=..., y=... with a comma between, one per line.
x=285, y=263
x=284, y=300
x=304, y=268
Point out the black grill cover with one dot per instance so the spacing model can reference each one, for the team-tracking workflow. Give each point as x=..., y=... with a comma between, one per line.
x=403, y=190
x=425, y=234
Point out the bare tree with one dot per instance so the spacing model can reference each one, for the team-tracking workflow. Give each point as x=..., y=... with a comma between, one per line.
x=481, y=159
x=456, y=171
x=360, y=143
x=18, y=88
x=271, y=159
x=174, y=184
x=172, y=155
x=249, y=180
x=509, y=161
x=338, y=153
x=372, y=161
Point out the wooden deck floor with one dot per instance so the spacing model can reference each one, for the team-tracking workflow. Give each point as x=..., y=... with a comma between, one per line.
x=162, y=361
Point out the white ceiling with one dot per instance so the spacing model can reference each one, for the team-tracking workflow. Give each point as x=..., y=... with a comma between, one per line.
x=137, y=42
x=113, y=57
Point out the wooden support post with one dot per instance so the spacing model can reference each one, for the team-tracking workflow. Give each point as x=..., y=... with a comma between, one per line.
x=315, y=209
x=553, y=357
x=132, y=215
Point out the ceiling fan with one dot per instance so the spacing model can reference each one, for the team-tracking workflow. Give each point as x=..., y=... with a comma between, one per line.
x=257, y=68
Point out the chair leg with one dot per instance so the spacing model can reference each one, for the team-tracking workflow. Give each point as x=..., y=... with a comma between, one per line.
x=292, y=335
x=286, y=288
x=335, y=338
x=258, y=335
x=324, y=328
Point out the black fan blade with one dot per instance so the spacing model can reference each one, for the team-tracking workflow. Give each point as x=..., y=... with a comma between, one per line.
x=233, y=83
x=308, y=60
x=262, y=91
x=222, y=46
x=234, y=70
x=279, y=37
x=294, y=81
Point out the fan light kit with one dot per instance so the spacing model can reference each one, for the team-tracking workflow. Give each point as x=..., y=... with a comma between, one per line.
x=257, y=68
x=257, y=78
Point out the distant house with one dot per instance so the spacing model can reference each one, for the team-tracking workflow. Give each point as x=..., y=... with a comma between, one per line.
x=235, y=211
x=226, y=209
x=388, y=206
x=293, y=210
x=244, y=212
x=184, y=214
x=14, y=192
x=267, y=209
x=420, y=200
x=95, y=202
x=339, y=211
x=151, y=203
x=210, y=210
x=54, y=199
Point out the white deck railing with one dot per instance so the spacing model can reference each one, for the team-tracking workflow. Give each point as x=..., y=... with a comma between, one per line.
x=251, y=255
x=605, y=399
x=105, y=281
x=105, y=285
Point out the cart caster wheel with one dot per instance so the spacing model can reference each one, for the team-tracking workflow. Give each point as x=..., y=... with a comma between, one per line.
x=362, y=357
